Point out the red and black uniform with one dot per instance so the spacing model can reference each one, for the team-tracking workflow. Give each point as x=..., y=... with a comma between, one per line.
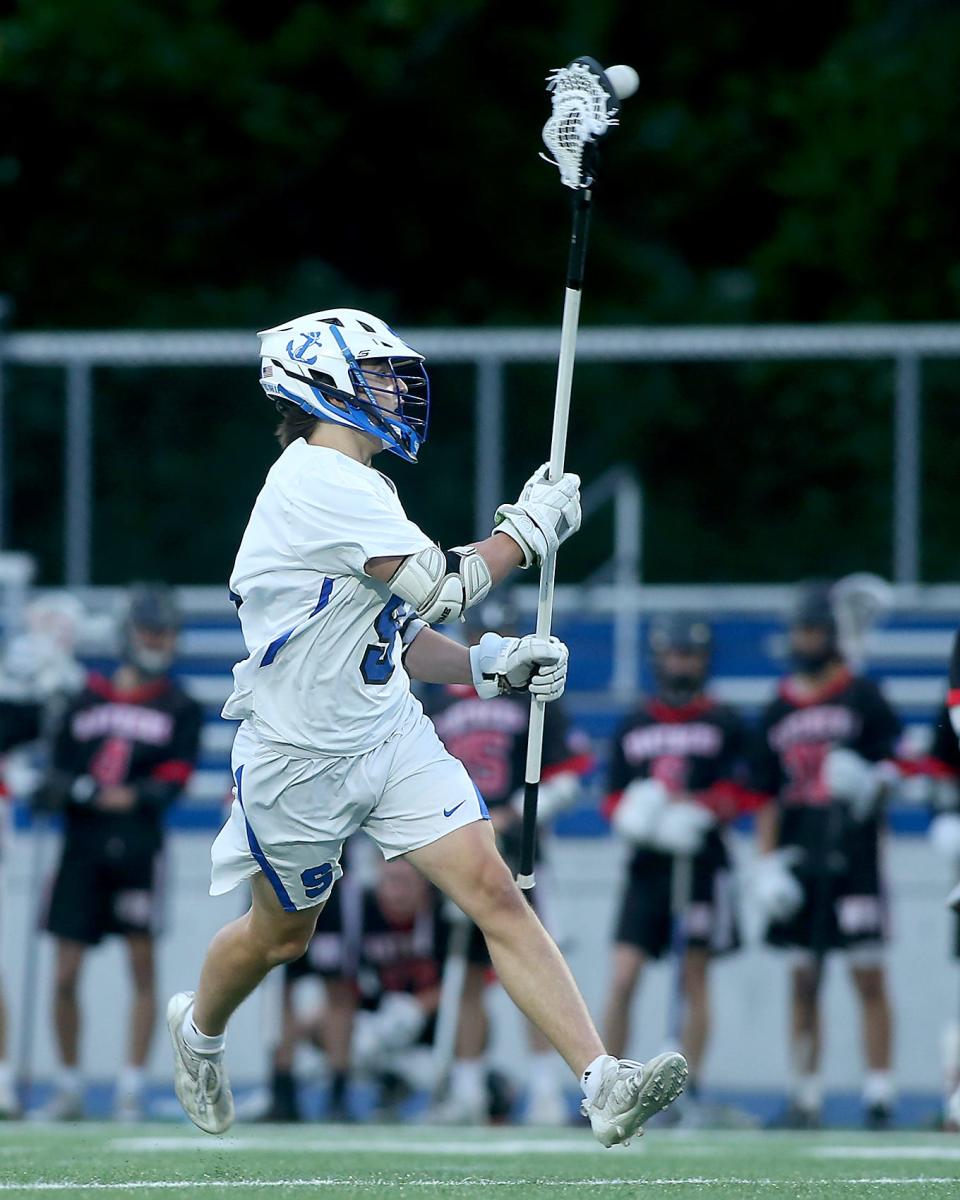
x=697, y=750
x=838, y=856
x=146, y=739
x=942, y=763
x=490, y=738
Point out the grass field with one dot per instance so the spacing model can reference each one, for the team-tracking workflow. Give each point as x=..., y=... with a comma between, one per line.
x=94, y=1160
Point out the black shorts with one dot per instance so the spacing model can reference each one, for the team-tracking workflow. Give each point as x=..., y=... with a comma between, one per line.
x=646, y=919
x=334, y=947
x=844, y=902
x=108, y=886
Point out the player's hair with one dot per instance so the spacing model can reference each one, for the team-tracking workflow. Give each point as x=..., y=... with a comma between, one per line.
x=294, y=423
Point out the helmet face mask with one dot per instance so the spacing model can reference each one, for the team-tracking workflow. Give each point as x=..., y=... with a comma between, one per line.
x=681, y=646
x=321, y=362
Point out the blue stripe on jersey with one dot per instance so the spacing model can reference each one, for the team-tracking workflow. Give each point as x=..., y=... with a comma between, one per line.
x=277, y=644
x=275, y=881
x=274, y=648
x=324, y=596
x=484, y=811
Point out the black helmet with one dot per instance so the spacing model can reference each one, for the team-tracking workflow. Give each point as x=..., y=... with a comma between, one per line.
x=151, y=607
x=813, y=609
x=688, y=635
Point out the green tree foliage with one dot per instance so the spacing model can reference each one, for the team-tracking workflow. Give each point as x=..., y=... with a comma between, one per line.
x=200, y=164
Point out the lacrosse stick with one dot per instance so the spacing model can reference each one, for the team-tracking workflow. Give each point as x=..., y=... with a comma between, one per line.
x=859, y=601
x=585, y=102
x=452, y=983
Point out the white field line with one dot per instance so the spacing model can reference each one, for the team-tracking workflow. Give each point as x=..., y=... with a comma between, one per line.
x=878, y=1153
x=146, y=1185
x=494, y=1148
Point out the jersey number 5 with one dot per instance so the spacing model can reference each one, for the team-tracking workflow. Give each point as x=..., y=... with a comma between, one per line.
x=377, y=664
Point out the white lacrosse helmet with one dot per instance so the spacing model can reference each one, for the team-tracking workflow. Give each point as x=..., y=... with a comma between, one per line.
x=316, y=362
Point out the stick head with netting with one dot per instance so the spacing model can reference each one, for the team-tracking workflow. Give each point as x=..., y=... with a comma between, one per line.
x=586, y=101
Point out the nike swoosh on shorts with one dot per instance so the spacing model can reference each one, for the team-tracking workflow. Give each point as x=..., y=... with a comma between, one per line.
x=448, y=812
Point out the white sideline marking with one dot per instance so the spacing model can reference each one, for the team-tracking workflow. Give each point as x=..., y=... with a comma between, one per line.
x=371, y=1146
x=413, y=1182
x=877, y=1153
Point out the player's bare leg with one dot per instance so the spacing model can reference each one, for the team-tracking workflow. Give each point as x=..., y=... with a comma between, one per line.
x=67, y=1102
x=128, y=1101
x=805, y=1041
x=467, y=867
x=696, y=1024
x=620, y=1095
x=628, y=964
x=239, y=957
x=243, y=953
x=878, y=1092
x=337, y=1036
x=8, y=1098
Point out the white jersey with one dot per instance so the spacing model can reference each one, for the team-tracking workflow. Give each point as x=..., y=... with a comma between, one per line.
x=323, y=672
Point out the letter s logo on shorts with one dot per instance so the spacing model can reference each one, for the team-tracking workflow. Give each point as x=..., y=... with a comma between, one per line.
x=317, y=880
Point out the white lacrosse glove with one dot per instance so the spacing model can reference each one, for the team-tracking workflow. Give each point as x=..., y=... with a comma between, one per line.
x=682, y=827
x=397, y=1023
x=501, y=665
x=545, y=515
x=635, y=817
x=849, y=776
x=777, y=891
x=555, y=795
x=945, y=835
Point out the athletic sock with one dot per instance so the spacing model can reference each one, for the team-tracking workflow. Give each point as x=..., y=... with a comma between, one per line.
x=468, y=1079
x=284, y=1089
x=808, y=1092
x=201, y=1043
x=543, y=1074
x=130, y=1081
x=68, y=1080
x=338, y=1086
x=878, y=1088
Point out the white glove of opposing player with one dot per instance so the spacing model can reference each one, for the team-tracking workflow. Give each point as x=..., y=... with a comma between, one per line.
x=545, y=515
x=945, y=835
x=682, y=827
x=776, y=889
x=507, y=664
x=397, y=1023
x=638, y=812
x=849, y=776
x=555, y=795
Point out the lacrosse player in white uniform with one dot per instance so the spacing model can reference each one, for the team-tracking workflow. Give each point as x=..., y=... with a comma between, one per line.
x=336, y=591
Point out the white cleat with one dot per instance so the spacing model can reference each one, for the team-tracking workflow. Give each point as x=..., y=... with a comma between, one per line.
x=200, y=1080
x=630, y=1093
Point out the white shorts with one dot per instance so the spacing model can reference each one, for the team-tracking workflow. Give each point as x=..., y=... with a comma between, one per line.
x=291, y=816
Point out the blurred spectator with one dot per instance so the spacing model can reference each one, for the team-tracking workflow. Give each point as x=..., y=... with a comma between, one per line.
x=331, y=957
x=820, y=758
x=678, y=773
x=122, y=754
x=490, y=739
x=38, y=674
x=379, y=952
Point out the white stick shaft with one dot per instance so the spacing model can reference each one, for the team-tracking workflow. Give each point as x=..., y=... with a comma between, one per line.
x=558, y=450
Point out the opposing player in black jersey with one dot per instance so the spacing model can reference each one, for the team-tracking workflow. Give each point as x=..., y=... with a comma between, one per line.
x=678, y=772
x=124, y=751
x=823, y=758
x=490, y=739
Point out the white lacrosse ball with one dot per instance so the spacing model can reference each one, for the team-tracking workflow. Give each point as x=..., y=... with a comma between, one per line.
x=623, y=79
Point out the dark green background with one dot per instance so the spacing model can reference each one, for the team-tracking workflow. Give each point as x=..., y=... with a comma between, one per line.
x=186, y=165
